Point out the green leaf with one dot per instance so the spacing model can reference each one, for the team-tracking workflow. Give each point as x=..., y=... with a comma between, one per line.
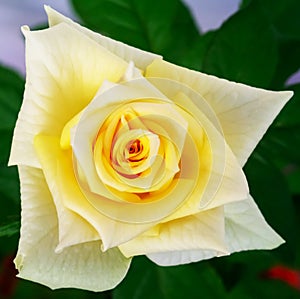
x=282, y=146
x=9, y=229
x=194, y=56
x=253, y=281
x=293, y=178
x=163, y=27
x=270, y=191
x=235, y=267
x=11, y=91
x=284, y=15
x=288, y=62
x=147, y=280
x=9, y=180
x=289, y=116
x=285, y=21
x=244, y=49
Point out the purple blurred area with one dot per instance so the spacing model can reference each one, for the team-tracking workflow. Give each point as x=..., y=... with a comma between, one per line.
x=208, y=14
x=14, y=14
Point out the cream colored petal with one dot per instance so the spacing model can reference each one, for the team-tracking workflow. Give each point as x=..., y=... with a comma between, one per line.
x=174, y=258
x=58, y=169
x=227, y=182
x=64, y=71
x=233, y=187
x=244, y=112
x=247, y=229
x=140, y=58
x=83, y=266
x=204, y=230
x=72, y=229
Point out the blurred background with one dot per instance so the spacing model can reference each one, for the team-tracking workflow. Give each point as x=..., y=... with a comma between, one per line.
x=209, y=14
x=250, y=41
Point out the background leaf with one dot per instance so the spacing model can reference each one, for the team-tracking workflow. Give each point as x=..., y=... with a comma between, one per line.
x=11, y=93
x=244, y=49
x=147, y=280
x=164, y=27
x=9, y=229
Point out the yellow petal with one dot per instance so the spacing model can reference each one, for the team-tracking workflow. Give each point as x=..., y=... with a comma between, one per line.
x=245, y=229
x=244, y=112
x=140, y=58
x=72, y=229
x=82, y=266
x=59, y=172
x=64, y=71
x=202, y=231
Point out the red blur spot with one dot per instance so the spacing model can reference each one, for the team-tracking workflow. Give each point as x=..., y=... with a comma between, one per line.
x=285, y=274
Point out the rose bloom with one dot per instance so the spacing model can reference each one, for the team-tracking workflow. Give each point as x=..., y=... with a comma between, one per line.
x=121, y=153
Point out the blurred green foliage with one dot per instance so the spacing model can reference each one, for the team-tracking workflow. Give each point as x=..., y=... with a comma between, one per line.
x=260, y=46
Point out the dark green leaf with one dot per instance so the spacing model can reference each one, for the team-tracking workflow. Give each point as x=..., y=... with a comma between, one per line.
x=289, y=116
x=270, y=191
x=147, y=280
x=244, y=3
x=11, y=91
x=163, y=27
x=244, y=49
x=284, y=16
x=235, y=267
x=194, y=56
x=282, y=144
x=293, y=178
x=9, y=229
x=285, y=21
x=288, y=64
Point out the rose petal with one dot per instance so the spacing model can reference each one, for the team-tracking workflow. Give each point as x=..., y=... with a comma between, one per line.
x=247, y=229
x=204, y=230
x=174, y=258
x=233, y=188
x=141, y=58
x=83, y=266
x=219, y=183
x=244, y=112
x=72, y=229
x=59, y=84
x=59, y=173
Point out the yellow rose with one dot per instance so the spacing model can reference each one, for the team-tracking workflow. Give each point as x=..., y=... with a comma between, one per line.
x=121, y=153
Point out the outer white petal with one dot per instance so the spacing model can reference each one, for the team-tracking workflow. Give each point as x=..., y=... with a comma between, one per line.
x=140, y=58
x=244, y=112
x=72, y=228
x=204, y=230
x=247, y=229
x=174, y=258
x=82, y=266
x=64, y=71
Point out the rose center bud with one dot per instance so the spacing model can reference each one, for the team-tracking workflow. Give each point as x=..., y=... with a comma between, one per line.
x=134, y=148
x=137, y=153
x=131, y=158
